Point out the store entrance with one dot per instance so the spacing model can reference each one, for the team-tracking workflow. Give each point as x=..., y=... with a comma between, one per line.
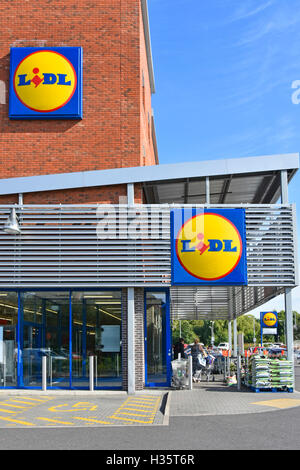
x=157, y=339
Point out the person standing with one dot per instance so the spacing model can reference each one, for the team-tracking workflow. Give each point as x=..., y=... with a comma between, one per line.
x=196, y=349
x=179, y=348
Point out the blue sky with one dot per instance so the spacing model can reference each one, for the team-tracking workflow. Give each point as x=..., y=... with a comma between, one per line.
x=224, y=71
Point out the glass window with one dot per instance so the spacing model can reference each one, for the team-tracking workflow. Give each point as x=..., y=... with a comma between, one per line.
x=32, y=308
x=46, y=333
x=96, y=332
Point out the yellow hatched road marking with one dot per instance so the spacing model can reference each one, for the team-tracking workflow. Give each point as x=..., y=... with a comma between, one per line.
x=92, y=420
x=147, y=408
x=135, y=409
x=14, y=406
x=150, y=397
x=157, y=404
x=44, y=400
x=131, y=419
x=140, y=404
x=16, y=421
x=143, y=399
x=279, y=403
x=56, y=421
x=135, y=414
x=148, y=403
x=25, y=402
x=8, y=411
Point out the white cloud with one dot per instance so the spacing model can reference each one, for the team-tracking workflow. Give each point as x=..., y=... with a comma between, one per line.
x=245, y=11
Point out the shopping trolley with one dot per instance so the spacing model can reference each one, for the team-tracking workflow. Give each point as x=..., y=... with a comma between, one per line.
x=180, y=374
x=205, y=368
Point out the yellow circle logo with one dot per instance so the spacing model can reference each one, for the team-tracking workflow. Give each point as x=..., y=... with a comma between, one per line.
x=209, y=246
x=269, y=319
x=45, y=81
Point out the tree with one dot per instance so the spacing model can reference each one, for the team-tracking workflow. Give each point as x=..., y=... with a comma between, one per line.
x=187, y=331
x=201, y=329
x=245, y=324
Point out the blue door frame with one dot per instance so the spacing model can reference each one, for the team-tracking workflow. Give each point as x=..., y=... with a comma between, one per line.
x=20, y=334
x=167, y=338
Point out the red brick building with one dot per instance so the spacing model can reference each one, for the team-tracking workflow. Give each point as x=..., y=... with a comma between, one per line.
x=117, y=128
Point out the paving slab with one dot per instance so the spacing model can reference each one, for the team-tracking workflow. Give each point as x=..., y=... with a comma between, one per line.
x=218, y=399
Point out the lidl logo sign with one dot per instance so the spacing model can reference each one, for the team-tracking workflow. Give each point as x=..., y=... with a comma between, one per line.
x=208, y=247
x=46, y=83
x=269, y=319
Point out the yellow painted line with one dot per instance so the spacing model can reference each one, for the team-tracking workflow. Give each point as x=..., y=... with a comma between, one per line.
x=279, y=403
x=56, y=421
x=14, y=406
x=136, y=414
x=25, y=402
x=157, y=404
x=131, y=419
x=136, y=409
x=140, y=404
x=149, y=397
x=152, y=400
x=146, y=402
x=44, y=400
x=8, y=411
x=16, y=421
x=92, y=420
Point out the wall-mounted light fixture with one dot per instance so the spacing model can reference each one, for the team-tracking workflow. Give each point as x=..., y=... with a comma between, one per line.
x=12, y=224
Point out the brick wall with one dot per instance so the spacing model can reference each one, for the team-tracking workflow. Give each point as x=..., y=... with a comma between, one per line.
x=109, y=136
x=138, y=338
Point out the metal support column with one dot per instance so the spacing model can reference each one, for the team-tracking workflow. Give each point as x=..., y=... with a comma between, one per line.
x=284, y=187
x=230, y=334
x=207, y=190
x=230, y=315
x=130, y=341
x=190, y=365
x=235, y=337
x=91, y=372
x=130, y=317
x=44, y=373
x=287, y=291
x=289, y=323
x=130, y=194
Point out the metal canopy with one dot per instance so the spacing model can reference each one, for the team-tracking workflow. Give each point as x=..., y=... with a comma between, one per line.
x=249, y=188
x=246, y=180
x=217, y=303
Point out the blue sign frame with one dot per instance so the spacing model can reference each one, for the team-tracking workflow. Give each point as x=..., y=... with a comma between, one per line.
x=180, y=276
x=264, y=326
x=71, y=110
